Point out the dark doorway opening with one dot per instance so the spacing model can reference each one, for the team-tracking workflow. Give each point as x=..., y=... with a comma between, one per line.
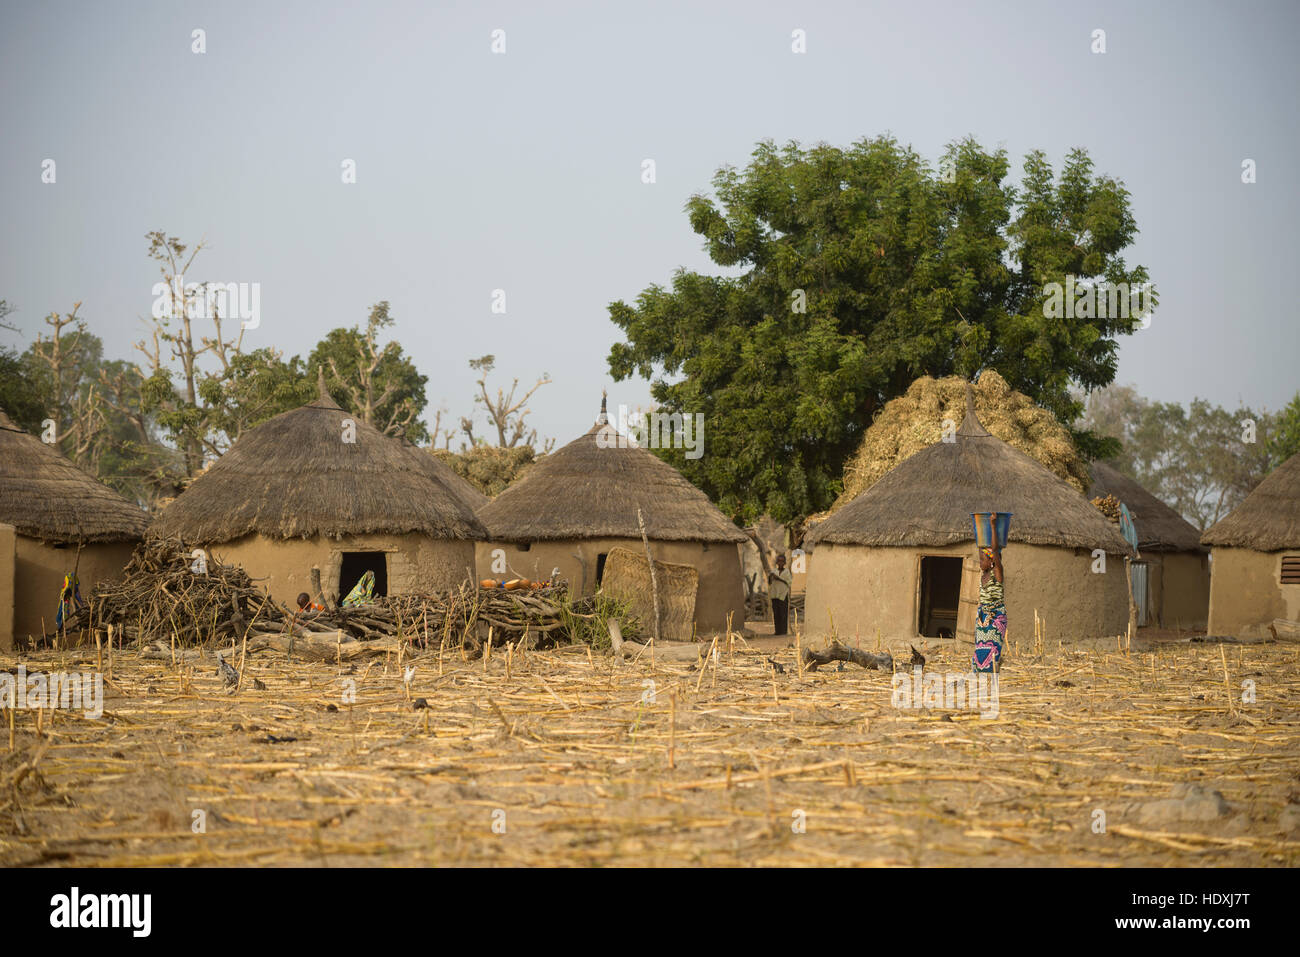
x=356, y=564
x=940, y=597
x=600, y=567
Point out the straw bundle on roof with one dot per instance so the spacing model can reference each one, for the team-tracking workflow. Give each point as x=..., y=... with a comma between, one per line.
x=489, y=469
x=586, y=491
x=45, y=496
x=915, y=420
x=1159, y=527
x=927, y=500
x=1269, y=519
x=296, y=476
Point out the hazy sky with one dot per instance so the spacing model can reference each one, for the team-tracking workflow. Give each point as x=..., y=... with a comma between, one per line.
x=522, y=171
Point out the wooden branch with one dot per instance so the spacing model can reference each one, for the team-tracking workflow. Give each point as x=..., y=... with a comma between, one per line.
x=838, y=652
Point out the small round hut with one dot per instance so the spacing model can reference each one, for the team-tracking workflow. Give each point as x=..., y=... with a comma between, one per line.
x=1173, y=564
x=54, y=519
x=1255, y=562
x=900, y=556
x=318, y=487
x=573, y=507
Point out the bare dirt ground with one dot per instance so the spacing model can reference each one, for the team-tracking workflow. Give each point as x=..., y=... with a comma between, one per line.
x=566, y=758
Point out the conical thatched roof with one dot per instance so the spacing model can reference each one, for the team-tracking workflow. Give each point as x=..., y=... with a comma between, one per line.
x=927, y=500
x=1269, y=519
x=915, y=420
x=45, y=496
x=1159, y=527
x=293, y=476
x=441, y=471
x=585, y=491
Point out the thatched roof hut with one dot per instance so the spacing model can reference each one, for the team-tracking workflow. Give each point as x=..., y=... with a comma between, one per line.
x=585, y=491
x=1171, y=583
x=350, y=497
x=44, y=496
x=927, y=500
x=1159, y=527
x=584, y=498
x=1256, y=557
x=1269, y=518
x=915, y=421
x=54, y=519
x=295, y=476
x=901, y=555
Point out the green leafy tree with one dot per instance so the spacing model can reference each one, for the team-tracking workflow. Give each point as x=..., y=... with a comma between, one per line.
x=20, y=392
x=96, y=409
x=379, y=383
x=1207, y=465
x=1285, y=441
x=1202, y=459
x=1111, y=415
x=863, y=269
x=256, y=386
x=130, y=455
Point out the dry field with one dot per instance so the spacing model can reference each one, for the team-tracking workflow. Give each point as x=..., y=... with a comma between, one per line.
x=561, y=758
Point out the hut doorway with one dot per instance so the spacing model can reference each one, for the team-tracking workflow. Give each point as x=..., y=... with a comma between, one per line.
x=940, y=596
x=356, y=564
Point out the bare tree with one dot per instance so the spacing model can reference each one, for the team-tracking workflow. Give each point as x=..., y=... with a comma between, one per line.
x=78, y=411
x=505, y=413
x=438, y=432
x=174, y=329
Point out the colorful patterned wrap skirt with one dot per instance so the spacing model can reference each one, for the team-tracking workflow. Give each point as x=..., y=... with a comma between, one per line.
x=990, y=627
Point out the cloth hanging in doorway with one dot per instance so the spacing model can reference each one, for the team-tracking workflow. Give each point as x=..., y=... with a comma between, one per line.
x=363, y=592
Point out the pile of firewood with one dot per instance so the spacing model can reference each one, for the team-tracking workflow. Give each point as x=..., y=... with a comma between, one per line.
x=465, y=614
x=468, y=616
x=168, y=590
x=169, y=595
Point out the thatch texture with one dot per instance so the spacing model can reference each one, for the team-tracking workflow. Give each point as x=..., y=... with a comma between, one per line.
x=1159, y=527
x=927, y=500
x=293, y=476
x=468, y=491
x=914, y=421
x=1269, y=519
x=45, y=496
x=585, y=491
x=439, y=470
x=627, y=577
